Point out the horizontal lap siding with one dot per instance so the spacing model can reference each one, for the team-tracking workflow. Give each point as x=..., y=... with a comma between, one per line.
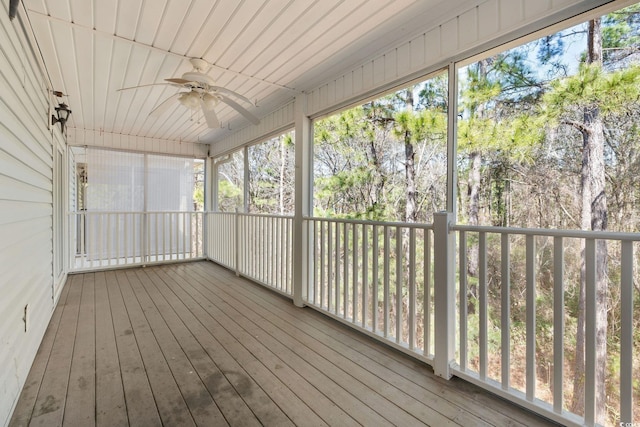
x=25, y=210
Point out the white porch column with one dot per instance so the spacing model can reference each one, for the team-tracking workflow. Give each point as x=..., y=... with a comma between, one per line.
x=444, y=259
x=444, y=293
x=452, y=141
x=303, y=199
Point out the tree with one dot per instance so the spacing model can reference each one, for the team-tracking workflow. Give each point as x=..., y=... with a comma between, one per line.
x=582, y=102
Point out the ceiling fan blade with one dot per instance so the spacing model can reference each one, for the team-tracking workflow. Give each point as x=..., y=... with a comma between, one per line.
x=136, y=87
x=162, y=107
x=240, y=109
x=178, y=81
x=232, y=93
x=209, y=116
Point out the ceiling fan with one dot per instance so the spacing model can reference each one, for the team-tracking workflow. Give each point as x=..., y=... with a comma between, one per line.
x=201, y=94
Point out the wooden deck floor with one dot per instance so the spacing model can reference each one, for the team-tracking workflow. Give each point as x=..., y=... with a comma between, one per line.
x=191, y=344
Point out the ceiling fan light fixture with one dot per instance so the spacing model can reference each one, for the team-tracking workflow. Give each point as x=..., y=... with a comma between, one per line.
x=210, y=101
x=190, y=100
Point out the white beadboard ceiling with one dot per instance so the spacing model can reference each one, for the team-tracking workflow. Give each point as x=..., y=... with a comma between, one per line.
x=266, y=50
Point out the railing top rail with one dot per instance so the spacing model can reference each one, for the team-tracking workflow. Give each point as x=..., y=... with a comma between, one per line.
x=129, y=212
x=369, y=222
x=580, y=234
x=250, y=214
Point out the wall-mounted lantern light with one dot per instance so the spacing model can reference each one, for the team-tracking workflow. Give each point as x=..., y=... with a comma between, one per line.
x=63, y=112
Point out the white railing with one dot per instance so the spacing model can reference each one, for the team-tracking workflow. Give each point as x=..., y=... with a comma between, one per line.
x=259, y=247
x=380, y=278
x=499, y=342
x=114, y=239
x=474, y=302
x=376, y=276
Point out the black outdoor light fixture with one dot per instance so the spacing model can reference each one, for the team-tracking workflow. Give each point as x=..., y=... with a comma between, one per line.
x=63, y=112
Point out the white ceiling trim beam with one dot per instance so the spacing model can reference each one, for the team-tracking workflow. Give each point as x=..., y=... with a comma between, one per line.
x=156, y=49
x=93, y=138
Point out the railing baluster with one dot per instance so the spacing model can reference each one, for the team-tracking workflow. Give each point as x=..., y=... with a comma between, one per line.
x=365, y=274
x=322, y=263
x=248, y=263
x=164, y=235
x=126, y=238
x=183, y=215
x=83, y=249
x=118, y=238
x=462, y=254
x=345, y=268
x=483, y=309
x=273, y=256
x=156, y=236
x=505, y=311
x=354, y=299
x=626, y=333
x=311, y=230
x=270, y=256
x=136, y=243
x=289, y=255
x=412, y=288
x=281, y=254
x=197, y=219
x=531, y=316
x=109, y=215
x=426, y=310
x=262, y=249
x=337, y=268
x=268, y=253
x=375, y=288
x=558, y=323
x=386, y=280
x=399, y=284
x=248, y=249
x=590, y=332
x=171, y=250
x=329, y=265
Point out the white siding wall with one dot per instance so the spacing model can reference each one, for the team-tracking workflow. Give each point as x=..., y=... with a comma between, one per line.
x=26, y=235
x=487, y=25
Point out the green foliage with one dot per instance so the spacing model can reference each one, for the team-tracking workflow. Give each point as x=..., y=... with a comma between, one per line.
x=621, y=33
x=592, y=87
x=230, y=196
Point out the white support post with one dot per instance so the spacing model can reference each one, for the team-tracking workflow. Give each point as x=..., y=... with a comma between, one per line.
x=210, y=195
x=237, y=246
x=214, y=187
x=245, y=183
x=444, y=294
x=452, y=142
x=303, y=200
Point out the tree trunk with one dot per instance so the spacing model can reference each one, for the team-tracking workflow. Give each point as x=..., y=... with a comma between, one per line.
x=411, y=208
x=594, y=217
x=475, y=160
x=473, y=192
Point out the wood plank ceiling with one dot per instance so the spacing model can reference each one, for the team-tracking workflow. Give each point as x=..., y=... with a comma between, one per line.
x=266, y=50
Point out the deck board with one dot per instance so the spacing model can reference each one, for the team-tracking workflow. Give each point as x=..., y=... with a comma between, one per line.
x=51, y=400
x=111, y=409
x=80, y=401
x=192, y=344
x=27, y=401
x=138, y=396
